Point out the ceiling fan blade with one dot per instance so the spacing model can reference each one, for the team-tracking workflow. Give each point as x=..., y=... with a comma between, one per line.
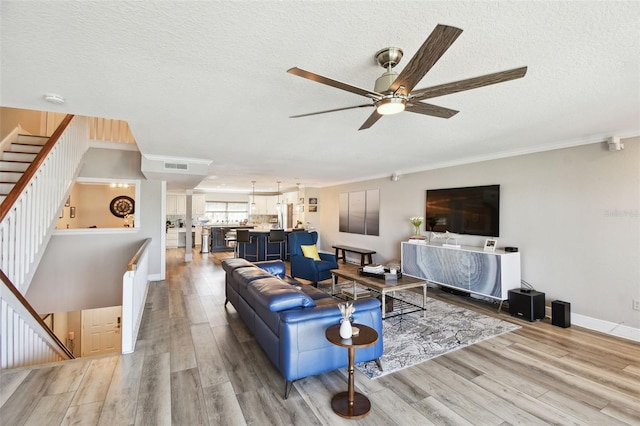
x=331, y=110
x=334, y=83
x=371, y=120
x=428, y=109
x=468, y=84
x=425, y=58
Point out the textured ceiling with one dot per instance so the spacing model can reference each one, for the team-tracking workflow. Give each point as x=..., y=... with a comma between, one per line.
x=207, y=80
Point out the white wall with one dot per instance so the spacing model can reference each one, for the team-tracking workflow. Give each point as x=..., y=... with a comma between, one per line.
x=83, y=269
x=572, y=212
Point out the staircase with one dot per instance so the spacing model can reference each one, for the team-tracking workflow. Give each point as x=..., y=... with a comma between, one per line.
x=36, y=174
x=15, y=160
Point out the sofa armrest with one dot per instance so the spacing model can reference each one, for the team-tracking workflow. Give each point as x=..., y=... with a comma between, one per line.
x=304, y=348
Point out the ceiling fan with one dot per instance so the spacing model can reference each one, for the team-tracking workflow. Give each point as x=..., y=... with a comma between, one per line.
x=393, y=92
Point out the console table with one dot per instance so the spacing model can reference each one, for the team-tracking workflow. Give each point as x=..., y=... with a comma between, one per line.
x=490, y=274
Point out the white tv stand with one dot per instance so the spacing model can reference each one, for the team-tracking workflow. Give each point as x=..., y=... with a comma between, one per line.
x=471, y=269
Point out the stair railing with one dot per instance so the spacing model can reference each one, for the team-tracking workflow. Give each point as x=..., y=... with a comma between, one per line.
x=27, y=218
x=135, y=284
x=25, y=339
x=29, y=213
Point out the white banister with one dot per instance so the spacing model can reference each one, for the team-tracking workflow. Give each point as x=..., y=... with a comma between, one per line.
x=29, y=214
x=23, y=341
x=135, y=283
x=27, y=226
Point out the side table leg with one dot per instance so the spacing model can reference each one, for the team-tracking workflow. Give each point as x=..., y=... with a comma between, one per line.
x=351, y=386
x=424, y=301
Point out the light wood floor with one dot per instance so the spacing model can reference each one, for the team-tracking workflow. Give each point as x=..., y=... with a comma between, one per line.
x=195, y=363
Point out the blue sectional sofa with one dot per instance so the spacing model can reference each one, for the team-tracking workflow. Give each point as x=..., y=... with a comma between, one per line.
x=289, y=319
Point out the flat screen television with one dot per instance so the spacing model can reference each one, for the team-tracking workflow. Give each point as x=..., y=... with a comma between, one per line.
x=472, y=210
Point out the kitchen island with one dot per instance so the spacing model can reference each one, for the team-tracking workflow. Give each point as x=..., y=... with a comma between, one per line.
x=218, y=234
x=261, y=246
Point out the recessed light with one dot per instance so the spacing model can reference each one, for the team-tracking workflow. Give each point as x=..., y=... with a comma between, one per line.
x=54, y=99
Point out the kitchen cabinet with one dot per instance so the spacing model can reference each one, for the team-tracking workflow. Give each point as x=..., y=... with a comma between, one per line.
x=198, y=237
x=181, y=204
x=172, y=204
x=177, y=204
x=171, y=238
x=198, y=204
x=266, y=204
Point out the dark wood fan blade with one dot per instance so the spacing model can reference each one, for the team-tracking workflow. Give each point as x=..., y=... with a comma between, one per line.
x=371, y=120
x=425, y=58
x=468, y=84
x=334, y=83
x=331, y=110
x=428, y=109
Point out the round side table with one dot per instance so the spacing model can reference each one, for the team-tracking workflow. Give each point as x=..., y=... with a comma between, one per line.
x=351, y=404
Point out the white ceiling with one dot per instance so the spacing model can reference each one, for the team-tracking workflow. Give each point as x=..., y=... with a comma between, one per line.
x=207, y=80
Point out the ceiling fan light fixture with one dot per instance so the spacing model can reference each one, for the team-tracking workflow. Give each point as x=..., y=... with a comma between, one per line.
x=390, y=106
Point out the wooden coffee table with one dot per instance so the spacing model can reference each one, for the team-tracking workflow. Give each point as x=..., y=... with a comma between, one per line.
x=351, y=404
x=383, y=287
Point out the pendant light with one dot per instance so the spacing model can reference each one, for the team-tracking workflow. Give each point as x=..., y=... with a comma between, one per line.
x=253, y=193
x=278, y=203
x=298, y=196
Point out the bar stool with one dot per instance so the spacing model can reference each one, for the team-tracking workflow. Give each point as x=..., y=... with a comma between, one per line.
x=243, y=237
x=230, y=240
x=275, y=236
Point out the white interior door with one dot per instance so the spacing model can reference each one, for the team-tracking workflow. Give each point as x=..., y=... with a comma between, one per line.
x=101, y=331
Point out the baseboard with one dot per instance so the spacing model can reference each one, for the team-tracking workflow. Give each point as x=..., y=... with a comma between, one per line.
x=155, y=277
x=602, y=326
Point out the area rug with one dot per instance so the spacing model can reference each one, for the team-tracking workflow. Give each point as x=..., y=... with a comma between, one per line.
x=445, y=328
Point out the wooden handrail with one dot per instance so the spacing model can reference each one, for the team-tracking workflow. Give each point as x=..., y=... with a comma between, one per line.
x=21, y=184
x=133, y=263
x=34, y=314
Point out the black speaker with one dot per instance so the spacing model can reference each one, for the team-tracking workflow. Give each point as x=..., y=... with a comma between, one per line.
x=527, y=304
x=561, y=313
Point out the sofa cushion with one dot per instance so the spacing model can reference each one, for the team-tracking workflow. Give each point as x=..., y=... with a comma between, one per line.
x=243, y=276
x=315, y=293
x=274, y=267
x=292, y=281
x=277, y=296
x=229, y=265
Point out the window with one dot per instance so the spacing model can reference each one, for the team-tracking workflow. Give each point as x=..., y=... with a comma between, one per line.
x=227, y=212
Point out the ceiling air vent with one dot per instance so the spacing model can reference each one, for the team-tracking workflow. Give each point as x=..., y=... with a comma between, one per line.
x=176, y=166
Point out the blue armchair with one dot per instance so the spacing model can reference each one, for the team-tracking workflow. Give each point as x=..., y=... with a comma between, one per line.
x=305, y=267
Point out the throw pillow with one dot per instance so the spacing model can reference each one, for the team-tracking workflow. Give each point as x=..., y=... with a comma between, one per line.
x=310, y=251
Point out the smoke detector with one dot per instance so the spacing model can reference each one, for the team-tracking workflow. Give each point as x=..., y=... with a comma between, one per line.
x=54, y=99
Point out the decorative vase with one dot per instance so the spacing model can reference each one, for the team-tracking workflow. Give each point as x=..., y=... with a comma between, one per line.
x=345, y=329
x=417, y=231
